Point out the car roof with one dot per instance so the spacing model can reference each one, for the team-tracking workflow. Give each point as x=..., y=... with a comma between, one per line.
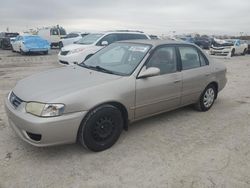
x=156, y=42
x=124, y=32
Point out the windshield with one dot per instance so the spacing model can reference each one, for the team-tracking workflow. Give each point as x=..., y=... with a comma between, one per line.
x=89, y=39
x=117, y=58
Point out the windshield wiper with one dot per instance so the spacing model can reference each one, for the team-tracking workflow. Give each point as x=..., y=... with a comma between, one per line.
x=83, y=65
x=98, y=68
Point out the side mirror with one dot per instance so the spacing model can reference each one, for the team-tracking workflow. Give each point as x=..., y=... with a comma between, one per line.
x=151, y=71
x=104, y=43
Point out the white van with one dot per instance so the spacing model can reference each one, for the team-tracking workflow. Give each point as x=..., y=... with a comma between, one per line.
x=52, y=34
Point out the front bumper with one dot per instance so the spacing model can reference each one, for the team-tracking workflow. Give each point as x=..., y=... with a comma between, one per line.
x=71, y=59
x=219, y=52
x=53, y=131
x=29, y=49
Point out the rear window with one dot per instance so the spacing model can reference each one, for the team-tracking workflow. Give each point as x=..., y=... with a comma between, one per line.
x=55, y=31
x=62, y=31
x=130, y=36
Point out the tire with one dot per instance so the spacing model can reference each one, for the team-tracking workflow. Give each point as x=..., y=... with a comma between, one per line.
x=207, y=98
x=244, y=52
x=22, y=52
x=12, y=49
x=233, y=52
x=60, y=45
x=101, y=128
x=4, y=46
x=46, y=52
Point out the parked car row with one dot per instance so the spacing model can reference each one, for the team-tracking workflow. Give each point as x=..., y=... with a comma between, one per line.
x=90, y=44
x=202, y=42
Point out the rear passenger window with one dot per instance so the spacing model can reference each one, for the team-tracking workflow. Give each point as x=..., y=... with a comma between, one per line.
x=189, y=57
x=129, y=36
x=139, y=36
x=203, y=61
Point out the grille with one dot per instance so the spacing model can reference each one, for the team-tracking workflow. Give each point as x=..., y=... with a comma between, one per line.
x=14, y=100
x=64, y=52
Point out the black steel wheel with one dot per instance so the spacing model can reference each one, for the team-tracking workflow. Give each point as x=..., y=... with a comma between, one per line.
x=101, y=128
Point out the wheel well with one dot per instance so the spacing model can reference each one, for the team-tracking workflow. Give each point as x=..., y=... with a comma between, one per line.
x=121, y=107
x=215, y=84
x=124, y=112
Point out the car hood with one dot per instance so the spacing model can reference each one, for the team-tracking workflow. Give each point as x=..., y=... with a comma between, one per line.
x=71, y=47
x=50, y=85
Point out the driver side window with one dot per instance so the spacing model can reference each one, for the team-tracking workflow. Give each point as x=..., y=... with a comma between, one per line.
x=164, y=58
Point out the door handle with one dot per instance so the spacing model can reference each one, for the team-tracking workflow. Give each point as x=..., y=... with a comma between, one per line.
x=177, y=81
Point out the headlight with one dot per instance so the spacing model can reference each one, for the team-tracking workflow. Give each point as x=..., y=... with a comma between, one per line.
x=44, y=110
x=78, y=50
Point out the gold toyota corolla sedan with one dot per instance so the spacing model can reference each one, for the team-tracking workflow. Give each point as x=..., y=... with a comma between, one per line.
x=91, y=103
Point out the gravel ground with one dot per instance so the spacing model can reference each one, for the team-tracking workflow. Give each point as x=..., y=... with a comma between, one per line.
x=182, y=148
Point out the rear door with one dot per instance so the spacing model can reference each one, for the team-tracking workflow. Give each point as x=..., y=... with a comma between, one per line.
x=195, y=73
x=162, y=92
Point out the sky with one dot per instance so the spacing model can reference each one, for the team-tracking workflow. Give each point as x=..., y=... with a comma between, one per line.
x=151, y=16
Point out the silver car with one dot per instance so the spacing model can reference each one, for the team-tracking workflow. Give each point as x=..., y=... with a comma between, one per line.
x=91, y=103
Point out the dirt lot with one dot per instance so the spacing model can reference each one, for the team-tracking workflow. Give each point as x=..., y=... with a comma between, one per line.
x=182, y=148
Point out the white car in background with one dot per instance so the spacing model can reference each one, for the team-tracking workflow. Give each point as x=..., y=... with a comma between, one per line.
x=228, y=47
x=71, y=38
x=90, y=44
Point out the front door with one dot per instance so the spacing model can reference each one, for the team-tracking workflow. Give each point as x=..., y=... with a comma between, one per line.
x=162, y=92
